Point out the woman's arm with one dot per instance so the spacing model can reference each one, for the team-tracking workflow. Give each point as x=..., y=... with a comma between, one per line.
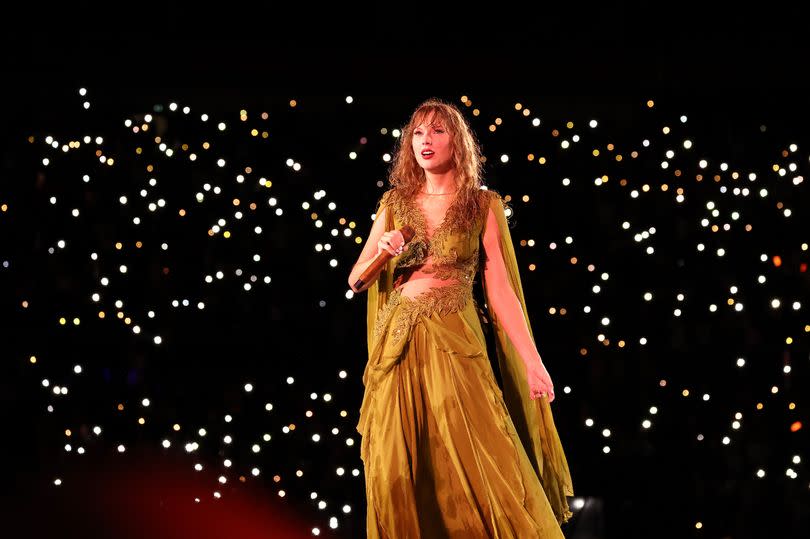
x=500, y=296
x=369, y=252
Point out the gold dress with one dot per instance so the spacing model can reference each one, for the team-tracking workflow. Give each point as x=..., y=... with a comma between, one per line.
x=447, y=451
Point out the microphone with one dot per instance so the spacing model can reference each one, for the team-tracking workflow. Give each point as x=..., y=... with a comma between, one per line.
x=382, y=259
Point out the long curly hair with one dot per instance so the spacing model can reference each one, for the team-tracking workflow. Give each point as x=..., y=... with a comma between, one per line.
x=408, y=178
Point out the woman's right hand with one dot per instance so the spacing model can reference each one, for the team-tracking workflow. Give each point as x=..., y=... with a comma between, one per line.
x=392, y=241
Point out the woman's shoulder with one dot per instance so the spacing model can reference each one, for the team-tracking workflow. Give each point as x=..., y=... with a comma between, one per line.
x=388, y=198
x=490, y=197
x=393, y=201
x=495, y=202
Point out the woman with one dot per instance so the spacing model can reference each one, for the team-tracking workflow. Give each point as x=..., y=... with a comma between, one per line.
x=447, y=452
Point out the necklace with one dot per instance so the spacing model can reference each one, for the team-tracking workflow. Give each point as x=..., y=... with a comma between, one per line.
x=437, y=194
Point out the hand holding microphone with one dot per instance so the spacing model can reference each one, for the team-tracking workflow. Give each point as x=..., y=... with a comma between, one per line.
x=393, y=241
x=391, y=244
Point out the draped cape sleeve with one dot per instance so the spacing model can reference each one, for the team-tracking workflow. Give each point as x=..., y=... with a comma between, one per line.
x=532, y=418
x=380, y=289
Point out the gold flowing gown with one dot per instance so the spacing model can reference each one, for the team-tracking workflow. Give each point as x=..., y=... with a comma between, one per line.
x=447, y=451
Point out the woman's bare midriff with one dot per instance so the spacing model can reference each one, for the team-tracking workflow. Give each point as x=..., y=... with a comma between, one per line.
x=419, y=281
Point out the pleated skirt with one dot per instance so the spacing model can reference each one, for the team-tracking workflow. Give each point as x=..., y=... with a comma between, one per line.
x=441, y=455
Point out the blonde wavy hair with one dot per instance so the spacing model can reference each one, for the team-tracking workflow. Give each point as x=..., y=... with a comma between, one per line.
x=408, y=178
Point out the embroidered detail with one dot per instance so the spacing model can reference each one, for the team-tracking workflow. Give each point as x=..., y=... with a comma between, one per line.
x=463, y=271
x=384, y=314
x=442, y=300
x=419, y=247
x=418, y=218
x=429, y=253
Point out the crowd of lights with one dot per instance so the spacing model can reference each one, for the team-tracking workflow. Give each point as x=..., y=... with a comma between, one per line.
x=680, y=162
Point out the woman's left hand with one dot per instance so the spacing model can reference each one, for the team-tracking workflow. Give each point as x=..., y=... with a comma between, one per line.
x=539, y=381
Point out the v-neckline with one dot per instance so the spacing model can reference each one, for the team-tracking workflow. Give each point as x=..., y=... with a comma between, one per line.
x=423, y=219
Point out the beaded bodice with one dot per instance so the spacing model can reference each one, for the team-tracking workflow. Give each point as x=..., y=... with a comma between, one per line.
x=449, y=253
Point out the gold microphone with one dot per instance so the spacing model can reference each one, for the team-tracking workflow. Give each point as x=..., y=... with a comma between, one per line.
x=383, y=258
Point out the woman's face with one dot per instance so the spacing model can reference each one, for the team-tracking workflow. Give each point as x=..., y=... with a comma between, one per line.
x=432, y=146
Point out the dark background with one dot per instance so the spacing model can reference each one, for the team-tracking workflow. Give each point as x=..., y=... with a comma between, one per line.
x=737, y=72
